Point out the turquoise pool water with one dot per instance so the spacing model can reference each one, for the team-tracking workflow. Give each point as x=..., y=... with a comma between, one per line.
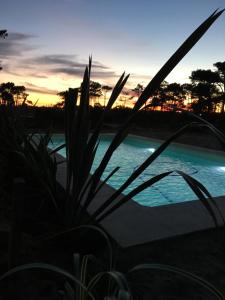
x=207, y=167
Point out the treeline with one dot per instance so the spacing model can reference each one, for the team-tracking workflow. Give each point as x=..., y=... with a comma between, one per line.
x=13, y=95
x=52, y=118
x=205, y=93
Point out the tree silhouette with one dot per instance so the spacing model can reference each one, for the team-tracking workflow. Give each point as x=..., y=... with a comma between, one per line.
x=19, y=93
x=174, y=94
x=221, y=82
x=204, y=76
x=12, y=94
x=138, y=90
x=188, y=92
x=106, y=89
x=126, y=96
x=187, y=88
x=95, y=91
x=6, y=93
x=156, y=101
x=62, y=95
x=205, y=89
x=59, y=104
x=159, y=97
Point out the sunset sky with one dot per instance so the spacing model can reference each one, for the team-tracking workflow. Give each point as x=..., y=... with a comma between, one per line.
x=49, y=41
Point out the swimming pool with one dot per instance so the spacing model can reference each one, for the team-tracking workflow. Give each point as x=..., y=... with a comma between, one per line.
x=206, y=166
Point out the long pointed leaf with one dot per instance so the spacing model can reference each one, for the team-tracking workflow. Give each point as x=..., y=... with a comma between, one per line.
x=143, y=166
x=198, y=192
x=152, y=86
x=129, y=196
x=57, y=149
x=47, y=267
x=176, y=58
x=190, y=276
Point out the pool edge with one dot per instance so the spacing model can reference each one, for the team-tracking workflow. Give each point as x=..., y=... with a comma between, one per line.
x=133, y=224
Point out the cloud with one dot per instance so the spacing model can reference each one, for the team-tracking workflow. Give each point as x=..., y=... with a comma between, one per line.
x=55, y=59
x=37, y=75
x=64, y=60
x=8, y=70
x=30, y=87
x=79, y=72
x=18, y=36
x=142, y=76
x=61, y=64
x=15, y=45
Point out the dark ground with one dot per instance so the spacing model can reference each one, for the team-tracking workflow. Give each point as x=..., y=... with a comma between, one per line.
x=202, y=253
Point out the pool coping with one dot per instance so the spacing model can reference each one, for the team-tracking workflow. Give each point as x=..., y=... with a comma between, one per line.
x=133, y=224
x=193, y=147
x=177, y=144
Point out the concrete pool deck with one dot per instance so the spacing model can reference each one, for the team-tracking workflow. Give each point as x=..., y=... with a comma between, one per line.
x=133, y=224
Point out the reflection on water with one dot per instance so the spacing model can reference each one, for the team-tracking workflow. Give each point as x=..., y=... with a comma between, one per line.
x=207, y=167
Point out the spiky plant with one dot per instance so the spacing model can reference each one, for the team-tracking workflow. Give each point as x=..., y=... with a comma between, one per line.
x=33, y=161
x=81, y=145
x=25, y=161
x=89, y=280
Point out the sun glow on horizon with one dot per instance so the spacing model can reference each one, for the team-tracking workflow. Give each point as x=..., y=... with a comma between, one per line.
x=41, y=99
